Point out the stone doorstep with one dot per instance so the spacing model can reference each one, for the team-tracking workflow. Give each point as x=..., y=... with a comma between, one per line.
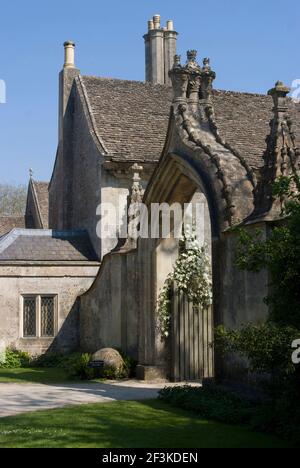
x=151, y=373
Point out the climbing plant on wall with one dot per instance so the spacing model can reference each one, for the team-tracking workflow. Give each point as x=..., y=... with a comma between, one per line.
x=192, y=275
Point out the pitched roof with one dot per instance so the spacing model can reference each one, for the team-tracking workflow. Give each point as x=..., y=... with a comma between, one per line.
x=46, y=245
x=7, y=223
x=42, y=200
x=131, y=118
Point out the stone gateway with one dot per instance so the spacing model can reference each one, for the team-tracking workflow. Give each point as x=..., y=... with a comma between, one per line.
x=172, y=139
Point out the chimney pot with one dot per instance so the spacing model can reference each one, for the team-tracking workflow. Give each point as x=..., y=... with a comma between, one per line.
x=150, y=25
x=170, y=25
x=69, y=54
x=156, y=21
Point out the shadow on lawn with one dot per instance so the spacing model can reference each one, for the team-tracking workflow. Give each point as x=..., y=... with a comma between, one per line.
x=148, y=424
x=33, y=375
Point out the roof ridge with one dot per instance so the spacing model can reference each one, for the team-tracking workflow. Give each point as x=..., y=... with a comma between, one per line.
x=152, y=85
x=144, y=83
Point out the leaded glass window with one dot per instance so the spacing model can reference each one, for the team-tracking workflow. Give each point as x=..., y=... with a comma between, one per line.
x=29, y=317
x=47, y=316
x=39, y=316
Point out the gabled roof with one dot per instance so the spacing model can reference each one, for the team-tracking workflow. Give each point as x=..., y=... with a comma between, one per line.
x=131, y=118
x=45, y=245
x=7, y=223
x=41, y=196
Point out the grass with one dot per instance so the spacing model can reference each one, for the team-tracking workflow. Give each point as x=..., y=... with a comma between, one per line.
x=150, y=424
x=39, y=375
x=31, y=375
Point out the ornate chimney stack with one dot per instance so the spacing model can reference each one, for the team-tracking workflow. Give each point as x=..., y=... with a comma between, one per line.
x=160, y=48
x=66, y=78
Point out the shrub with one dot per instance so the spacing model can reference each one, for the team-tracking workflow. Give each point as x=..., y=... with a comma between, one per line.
x=279, y=417
x=15, y=359
x=50, y=360
x=129, y=366
x=211, y=403
x=77, y=366
x=267, y=347
x=279, y=253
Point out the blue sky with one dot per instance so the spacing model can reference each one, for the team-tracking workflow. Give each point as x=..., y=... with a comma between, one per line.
x=251, y=44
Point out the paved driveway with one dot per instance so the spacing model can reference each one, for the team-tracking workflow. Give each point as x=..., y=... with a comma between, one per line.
x=21, y=398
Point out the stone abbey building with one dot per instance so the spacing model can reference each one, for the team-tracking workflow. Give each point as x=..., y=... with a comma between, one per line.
x=170, y=139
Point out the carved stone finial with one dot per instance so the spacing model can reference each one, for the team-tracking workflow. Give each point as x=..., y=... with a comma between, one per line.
x=192, y=65
x=191, y=55
x=206, y=64
x=179, y=78
x=208, y=76
x=136, y=169
x=30, y=173
x=177, y=61
x=137, y=191
x=281, y=158
x=279, y=94
x=134, y=210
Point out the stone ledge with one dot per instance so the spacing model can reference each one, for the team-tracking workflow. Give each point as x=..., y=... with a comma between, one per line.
x=151, y=373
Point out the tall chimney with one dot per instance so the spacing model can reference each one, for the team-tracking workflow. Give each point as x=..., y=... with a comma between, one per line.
x=66, y=78
x=170, y=49
x=160, y=48
x=69, y=54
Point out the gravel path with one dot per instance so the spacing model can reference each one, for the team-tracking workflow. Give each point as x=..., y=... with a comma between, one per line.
x=22, y=398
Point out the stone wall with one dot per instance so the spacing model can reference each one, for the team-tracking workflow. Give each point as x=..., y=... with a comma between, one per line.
x=67, y=282
x=109, y=310
x=242, y=292
x=75, y=189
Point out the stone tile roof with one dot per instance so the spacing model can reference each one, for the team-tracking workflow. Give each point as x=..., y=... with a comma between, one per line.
x=7, y=223
x=42, y=199
x=132, y=118
x=46, y=245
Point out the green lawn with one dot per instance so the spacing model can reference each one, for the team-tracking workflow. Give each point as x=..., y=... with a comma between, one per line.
x=40, y=375
x=150, y=424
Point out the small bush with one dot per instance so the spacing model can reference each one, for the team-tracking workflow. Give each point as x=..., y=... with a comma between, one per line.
x=267, y=346
x=15, y=359
x=130, y=364
x=210, y=403
x=77, y=366
x=50, y=360
x=280, y=417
